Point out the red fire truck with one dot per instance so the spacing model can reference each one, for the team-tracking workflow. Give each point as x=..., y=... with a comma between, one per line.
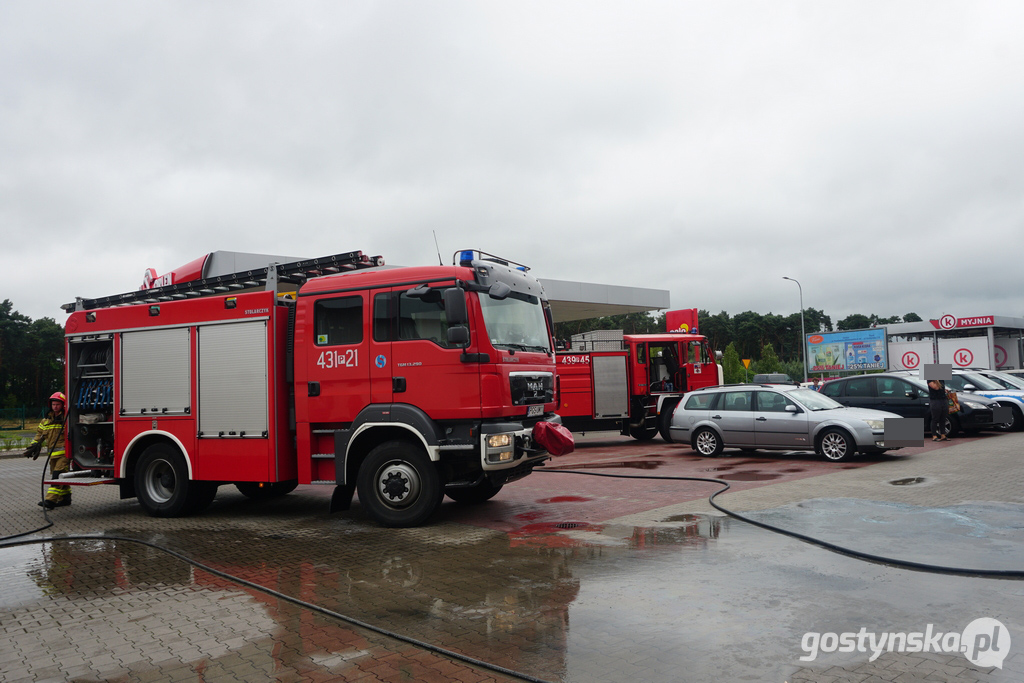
x=405, y=384
x=633, y=382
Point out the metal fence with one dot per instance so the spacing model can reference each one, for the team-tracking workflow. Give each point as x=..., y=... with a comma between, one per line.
x=12, y=418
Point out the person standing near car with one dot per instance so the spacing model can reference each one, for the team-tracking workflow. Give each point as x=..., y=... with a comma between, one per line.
x=938, y=408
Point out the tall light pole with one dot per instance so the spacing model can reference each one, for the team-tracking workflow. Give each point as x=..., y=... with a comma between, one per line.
x=803, y=335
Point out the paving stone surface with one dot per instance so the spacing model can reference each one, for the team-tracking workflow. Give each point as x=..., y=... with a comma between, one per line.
x=562, y=577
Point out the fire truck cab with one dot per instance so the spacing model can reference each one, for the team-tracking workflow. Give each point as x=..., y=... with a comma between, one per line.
x=405, y=384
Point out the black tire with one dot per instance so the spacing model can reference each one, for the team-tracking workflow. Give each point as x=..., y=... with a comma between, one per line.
x=706, y=442
x=472, y=495
x=665, y=420
x=162, y=484
x=398, y=484
x=1016, y=422
x=953, y=426
x=835, y=445
x=203, y=494
x=252, y=489
x=643, y=433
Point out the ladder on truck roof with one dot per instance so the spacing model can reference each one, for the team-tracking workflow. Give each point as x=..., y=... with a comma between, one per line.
x=296, y=272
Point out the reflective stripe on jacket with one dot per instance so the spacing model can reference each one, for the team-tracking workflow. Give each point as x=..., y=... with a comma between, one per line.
x=51, y=434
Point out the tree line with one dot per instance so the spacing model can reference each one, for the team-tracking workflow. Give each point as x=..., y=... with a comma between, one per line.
x=31, y=359
x=772, y=342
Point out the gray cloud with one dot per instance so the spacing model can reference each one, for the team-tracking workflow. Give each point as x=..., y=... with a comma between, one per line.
x=871, y=150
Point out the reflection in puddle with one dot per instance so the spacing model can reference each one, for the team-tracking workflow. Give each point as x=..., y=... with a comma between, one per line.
x=110, y=596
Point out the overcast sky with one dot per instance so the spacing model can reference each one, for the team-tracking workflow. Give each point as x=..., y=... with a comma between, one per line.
x=872, y=150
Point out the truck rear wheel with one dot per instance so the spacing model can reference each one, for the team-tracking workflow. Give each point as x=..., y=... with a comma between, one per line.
x=399, y=485
x=643, y=433
x=162, y=484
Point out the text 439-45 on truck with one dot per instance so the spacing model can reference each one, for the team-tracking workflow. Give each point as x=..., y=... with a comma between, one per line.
x=405, y=384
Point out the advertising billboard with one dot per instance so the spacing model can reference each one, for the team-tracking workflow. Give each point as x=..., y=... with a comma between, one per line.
x=847, y=351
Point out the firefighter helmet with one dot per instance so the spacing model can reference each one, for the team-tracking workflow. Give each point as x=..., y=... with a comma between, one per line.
x=59, y=396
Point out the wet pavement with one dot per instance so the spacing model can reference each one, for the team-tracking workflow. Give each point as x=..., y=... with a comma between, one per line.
x=562, y=577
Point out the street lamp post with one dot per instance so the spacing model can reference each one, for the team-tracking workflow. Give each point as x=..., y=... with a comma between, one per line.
x=803, y=335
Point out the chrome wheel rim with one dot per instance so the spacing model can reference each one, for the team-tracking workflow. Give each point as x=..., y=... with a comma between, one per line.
x=833, y=446
x=706, y=443
x=398, y=484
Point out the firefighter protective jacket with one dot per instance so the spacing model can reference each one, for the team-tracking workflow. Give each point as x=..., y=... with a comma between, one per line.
x=51, y=434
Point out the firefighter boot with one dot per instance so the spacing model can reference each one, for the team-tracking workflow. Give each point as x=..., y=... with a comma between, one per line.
x=48, y=504
x=64, y=500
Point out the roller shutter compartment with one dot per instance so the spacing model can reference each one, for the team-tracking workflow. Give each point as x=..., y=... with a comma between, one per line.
x=233, y=380
x=155, y=372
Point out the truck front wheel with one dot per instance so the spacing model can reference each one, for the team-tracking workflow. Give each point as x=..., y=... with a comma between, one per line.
x=399, y=485
x=162, y=484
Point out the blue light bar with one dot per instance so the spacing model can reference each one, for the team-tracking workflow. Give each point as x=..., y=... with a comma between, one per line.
x=466, y=257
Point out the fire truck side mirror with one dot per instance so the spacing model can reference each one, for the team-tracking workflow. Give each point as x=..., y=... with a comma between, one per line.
x=455, y=308
x=718, y=355
x=458, y=336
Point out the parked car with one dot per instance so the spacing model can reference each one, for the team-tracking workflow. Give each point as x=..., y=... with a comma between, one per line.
x=982, y=383
x=1003, y=378
x=905, y=394
x=775, y=417
x=773, y=378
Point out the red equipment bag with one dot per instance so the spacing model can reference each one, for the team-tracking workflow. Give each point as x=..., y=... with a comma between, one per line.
x=554, y=438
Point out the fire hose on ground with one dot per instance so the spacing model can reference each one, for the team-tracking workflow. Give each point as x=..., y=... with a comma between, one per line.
x=10, y=542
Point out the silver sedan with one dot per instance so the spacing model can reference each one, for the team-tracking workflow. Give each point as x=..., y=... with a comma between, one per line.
x=776, y=417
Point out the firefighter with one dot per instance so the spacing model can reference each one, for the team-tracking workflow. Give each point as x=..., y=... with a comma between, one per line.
x=50, y=435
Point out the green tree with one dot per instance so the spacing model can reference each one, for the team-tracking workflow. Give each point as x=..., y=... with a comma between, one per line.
x=769, y=361
x=749, y=333
x=31, y=358
x=856, y=321
x=732, y=366
x=717, y=328
x=911, y=318
x=793, y=368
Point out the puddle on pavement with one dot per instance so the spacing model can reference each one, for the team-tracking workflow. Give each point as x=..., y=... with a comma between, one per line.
x=546, y=599
x=750, y=476
x=565, y=499
x=630, y=464
x=908, y=481
x=683, y=518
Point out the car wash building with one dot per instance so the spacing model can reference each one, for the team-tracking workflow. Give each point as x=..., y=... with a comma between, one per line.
x=993, y=342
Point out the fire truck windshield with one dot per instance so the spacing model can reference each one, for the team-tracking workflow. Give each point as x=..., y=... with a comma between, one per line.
x=516, y=322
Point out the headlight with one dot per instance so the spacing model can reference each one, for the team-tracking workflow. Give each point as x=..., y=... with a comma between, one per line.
x=499, y=440
x=875, y=424
x=974, y=406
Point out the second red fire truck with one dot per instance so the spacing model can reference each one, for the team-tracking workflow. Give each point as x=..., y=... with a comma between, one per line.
x=632, y=382
x=404, y=383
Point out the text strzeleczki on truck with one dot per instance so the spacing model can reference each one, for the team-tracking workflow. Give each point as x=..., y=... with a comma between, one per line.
x=405, y=384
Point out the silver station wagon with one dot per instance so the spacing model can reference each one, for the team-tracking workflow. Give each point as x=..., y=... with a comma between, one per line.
x=776, y=417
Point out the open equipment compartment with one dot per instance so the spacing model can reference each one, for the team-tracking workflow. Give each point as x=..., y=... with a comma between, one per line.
x=91, y=400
